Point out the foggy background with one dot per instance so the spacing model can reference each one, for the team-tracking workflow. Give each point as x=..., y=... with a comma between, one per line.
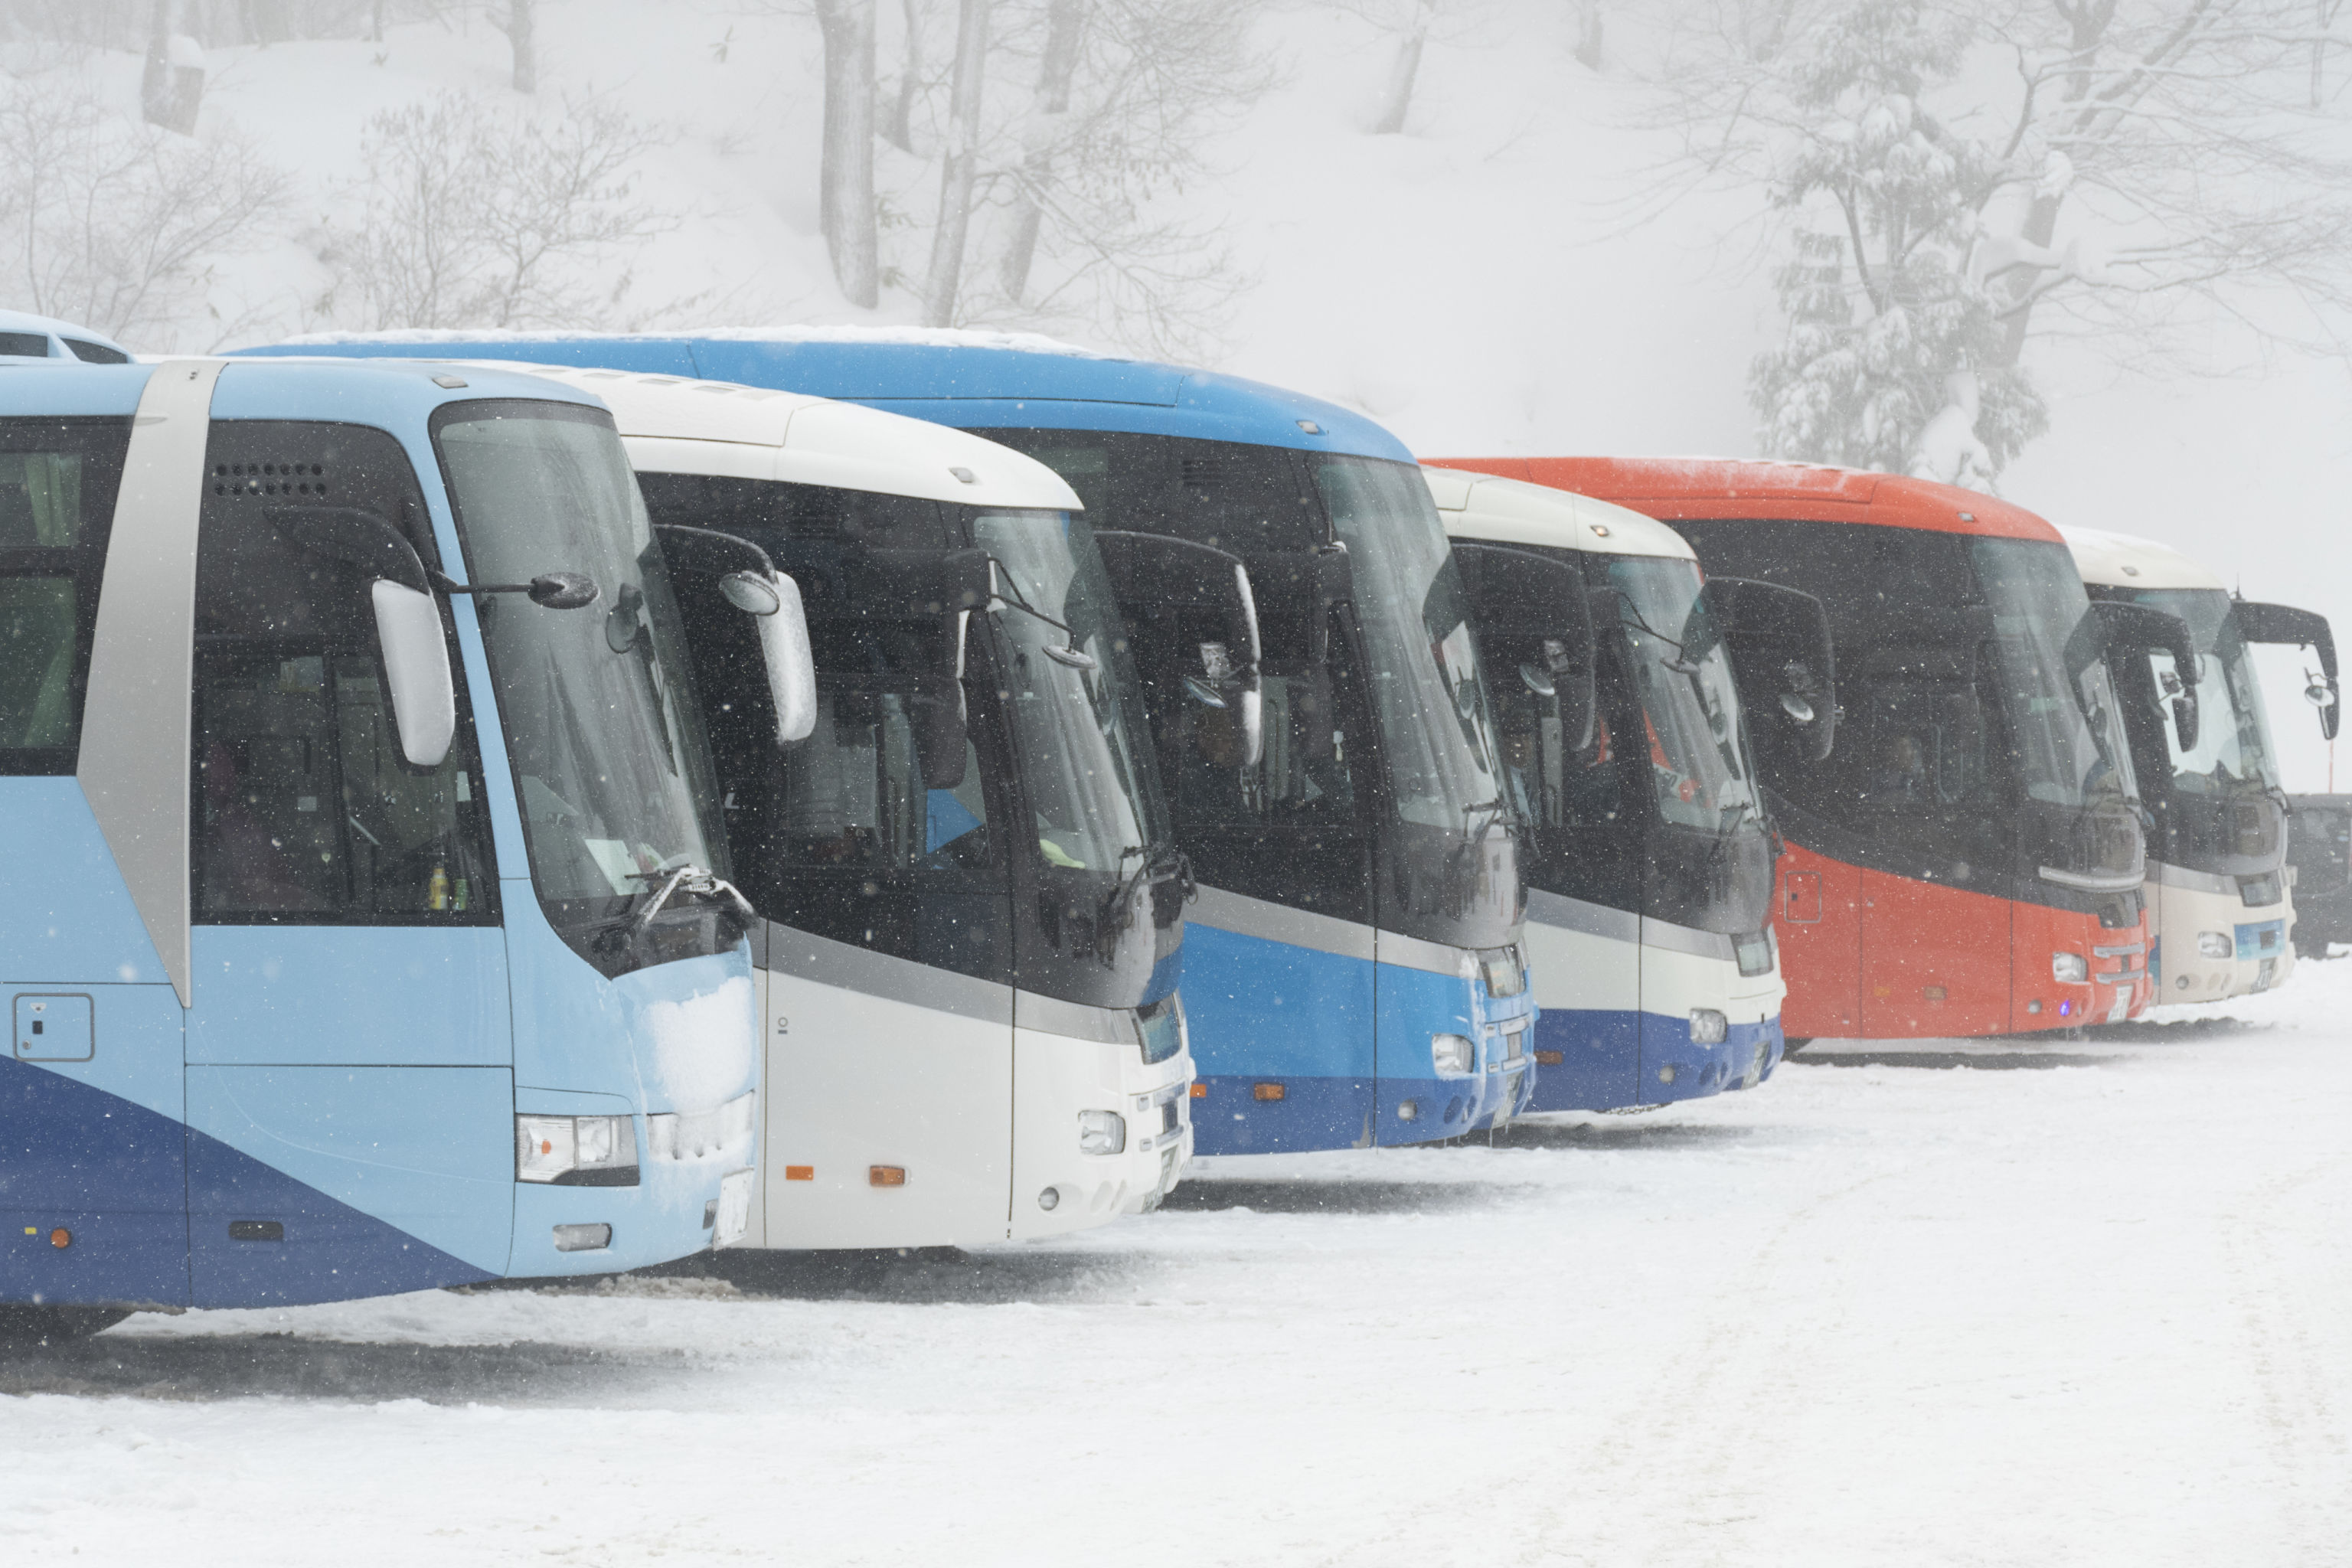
x=2089, y=254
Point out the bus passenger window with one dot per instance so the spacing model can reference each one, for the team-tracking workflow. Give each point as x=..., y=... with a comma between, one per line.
x=306, y=809
x=58, y=480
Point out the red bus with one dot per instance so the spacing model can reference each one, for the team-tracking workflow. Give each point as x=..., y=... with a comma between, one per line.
x=1968, y=859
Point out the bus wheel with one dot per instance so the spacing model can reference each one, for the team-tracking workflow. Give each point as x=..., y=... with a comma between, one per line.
x=22, y=1326
x=1795, y=1043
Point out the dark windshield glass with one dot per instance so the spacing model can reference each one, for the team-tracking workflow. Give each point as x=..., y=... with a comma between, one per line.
x=1077, y=724
x=2220, y=799
x=1430, y=706
x=958, y=752
x=607, y=741
x=1659, y=815
x=2066, y=729
x=1979, y=741
x=58, y=482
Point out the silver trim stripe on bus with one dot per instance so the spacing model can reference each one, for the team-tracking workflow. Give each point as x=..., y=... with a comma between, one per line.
x=1564, y=913
x=1270, y=922
x=2089, y=882
x=135, y=736
x=802, y=955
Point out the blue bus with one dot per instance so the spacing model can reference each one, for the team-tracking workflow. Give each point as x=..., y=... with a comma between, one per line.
x=1353, y=975
x=365, y=922
x=1649, y=860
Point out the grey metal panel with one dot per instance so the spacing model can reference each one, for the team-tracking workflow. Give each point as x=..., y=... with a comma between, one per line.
x=1270, y=922
x=803, y=956
x=1685, y=939
x=135, y=738
x=2093, y=881
x=2169, y=875
x=1076, y=1020
x=1415, y=953
x=1575, y=914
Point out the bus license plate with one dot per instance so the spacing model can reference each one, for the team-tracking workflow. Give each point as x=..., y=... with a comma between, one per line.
x=734, y=1208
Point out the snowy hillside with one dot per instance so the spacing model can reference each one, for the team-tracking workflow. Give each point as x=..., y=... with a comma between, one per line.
x=1474, y=281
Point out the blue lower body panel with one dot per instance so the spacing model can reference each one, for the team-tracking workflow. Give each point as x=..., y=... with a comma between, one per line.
x=1600, y=1065
x=1614, y=1059
x=1298, y=1049
x=122, y=1181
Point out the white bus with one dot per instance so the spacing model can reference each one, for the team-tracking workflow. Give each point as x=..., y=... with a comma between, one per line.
x=2221, y=911
x=970, y=933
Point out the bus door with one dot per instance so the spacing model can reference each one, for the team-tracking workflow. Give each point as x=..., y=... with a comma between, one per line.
x=350, y=1093
x=93, y=1192
x=1935, y=951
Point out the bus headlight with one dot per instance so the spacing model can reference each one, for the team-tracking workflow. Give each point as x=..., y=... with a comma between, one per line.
x=2070, y=968
x=1708, y=1027
x=1452, y=1055
x=1101, y=1132
x=576, y=1151
x=2215, y=944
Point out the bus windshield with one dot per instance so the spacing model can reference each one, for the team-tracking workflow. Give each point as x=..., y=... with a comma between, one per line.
x=2065, y=725
x=1427, y=697
x=2232, y=755
x=1681, y=676
x=2222, y=800
x=607, y=741
x=1077, y=724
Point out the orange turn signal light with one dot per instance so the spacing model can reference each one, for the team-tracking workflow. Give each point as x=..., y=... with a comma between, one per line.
x=799, y=1173
x=1200, y=1091
x=62, y=1236
x=1550, y=1058
x=1266, y=1091
x=887, y=1175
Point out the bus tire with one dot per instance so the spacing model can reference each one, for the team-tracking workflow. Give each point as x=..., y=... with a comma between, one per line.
x=26, y=1326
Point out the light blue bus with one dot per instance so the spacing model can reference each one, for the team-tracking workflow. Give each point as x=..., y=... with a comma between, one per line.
x=1353, y=973
x=363, y=919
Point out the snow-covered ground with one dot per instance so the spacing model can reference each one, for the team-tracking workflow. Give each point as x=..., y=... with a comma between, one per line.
x=1896, y=1306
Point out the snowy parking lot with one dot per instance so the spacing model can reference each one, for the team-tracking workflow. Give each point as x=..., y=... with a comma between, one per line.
x=2054, y=1301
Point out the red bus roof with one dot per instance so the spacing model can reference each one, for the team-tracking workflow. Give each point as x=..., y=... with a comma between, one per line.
x=1672, y=488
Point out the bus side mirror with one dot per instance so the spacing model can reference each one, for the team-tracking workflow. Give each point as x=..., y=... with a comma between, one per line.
x=1782, y=657
x=2143, y=628
x=1161, y=581
x=416, y=678
x=1534, y=620
x=2302, y=628
x=774, y=601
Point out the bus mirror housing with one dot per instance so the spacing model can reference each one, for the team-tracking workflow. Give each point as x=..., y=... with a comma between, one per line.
x=2136, y=628
x=784, y=650
x=1532, y=612
x=2284, y=623
x=417, y=680
x=1173, y=590
x=748, y=579
x=417, y=684
x=1784, y=657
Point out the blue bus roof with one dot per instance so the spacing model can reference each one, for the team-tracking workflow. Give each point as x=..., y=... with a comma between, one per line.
x=993, y=380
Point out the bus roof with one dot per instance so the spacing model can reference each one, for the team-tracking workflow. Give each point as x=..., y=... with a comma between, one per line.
x=1670, y=489
x=674, y=425
x=296, y=389
x=2125, y=561
x=59, y=340
x=999, y=380
x=1513, y=512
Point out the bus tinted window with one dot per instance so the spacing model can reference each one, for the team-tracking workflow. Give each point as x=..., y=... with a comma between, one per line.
x=306, y=810
x=57, y=483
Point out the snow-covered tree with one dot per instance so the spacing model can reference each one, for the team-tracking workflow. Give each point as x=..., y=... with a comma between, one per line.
x=1953, y=181
x=1887, y=329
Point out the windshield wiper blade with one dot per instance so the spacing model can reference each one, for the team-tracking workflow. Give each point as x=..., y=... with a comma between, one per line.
x=688, y=879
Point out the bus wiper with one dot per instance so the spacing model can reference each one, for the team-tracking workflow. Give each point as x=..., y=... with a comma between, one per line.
x=1119, y=904
x=688, y=879
x=1070, y=654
